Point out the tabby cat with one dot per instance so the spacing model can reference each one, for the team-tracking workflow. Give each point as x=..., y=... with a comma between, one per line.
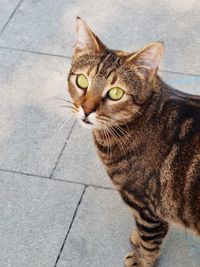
x=146, y=134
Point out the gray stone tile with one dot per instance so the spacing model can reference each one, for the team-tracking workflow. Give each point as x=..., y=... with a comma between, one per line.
x=29, y=114
x=99, y=236
x=48, y=26
x=100, y=232
x=180, y=250
x=79, y=162
x=6, y=9
x=35, y=217
x=40, y=25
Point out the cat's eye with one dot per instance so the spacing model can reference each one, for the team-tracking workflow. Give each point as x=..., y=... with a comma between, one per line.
x=115, y=93
x=82, y=81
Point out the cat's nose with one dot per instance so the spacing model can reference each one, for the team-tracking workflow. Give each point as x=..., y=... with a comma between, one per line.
x=88, y=111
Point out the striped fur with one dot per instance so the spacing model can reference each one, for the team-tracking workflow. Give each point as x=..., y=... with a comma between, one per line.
x=151, y=148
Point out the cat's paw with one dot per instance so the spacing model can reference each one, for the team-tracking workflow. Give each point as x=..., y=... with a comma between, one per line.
x=135, y=238
x=131, y=259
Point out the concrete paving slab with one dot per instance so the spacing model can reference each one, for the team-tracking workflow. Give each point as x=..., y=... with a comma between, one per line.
x=6, y=10
x=40, y=25
x=99, y=236
x=79, y=162
x=29, y=114
x=35, y=216
x=48, y=26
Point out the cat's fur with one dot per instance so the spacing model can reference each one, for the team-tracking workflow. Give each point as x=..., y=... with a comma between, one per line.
x=149, y=141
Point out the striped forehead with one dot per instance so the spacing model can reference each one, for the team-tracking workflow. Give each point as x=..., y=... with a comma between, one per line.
x=98, y=65
x=108, y=65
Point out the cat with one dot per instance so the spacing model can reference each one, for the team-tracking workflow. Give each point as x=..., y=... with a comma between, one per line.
x=147, y=135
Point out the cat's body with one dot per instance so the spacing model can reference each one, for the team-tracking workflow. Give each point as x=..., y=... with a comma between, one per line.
x=148, y=140
x=160, y=160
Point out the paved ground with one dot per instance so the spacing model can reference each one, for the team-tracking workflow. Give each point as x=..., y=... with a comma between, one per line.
x=57, y=205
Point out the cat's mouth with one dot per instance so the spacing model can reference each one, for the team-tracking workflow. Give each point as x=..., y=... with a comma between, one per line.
x=86, y=120
x=86, y=123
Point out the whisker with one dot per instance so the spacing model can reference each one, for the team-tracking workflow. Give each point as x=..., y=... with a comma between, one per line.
x=74, y=109
x=63, y=123
x=128, y=129
x=62, y=99
x=109, y=145
x=116, y=136
x=122, y=141
x=105, y=131
x=140, y=113
x=66, y=106
x=128, y=137
x=127, y=140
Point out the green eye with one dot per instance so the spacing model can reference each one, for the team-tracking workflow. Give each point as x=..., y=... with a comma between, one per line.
x=82, y=81
x=115, y=93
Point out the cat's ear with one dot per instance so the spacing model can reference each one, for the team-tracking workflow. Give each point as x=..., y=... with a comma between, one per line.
x=148, y=59
x=86, y=41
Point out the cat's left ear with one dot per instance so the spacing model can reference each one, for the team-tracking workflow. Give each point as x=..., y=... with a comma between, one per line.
x=148, y=59
x=86, y=41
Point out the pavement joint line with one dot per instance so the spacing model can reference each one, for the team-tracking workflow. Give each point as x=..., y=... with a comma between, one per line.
x=80, y=183
x=101, y=187
x=23, y=173
x=34, y=52
x=180, y=73
x=69, y=57
x=12, y=14
x=68, y=231
x=62, y=150
x=55, y=179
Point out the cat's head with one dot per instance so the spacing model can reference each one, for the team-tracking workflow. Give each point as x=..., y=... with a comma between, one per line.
x=109, y=87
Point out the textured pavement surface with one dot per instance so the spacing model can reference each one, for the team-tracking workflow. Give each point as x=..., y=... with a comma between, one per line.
x=57, y=205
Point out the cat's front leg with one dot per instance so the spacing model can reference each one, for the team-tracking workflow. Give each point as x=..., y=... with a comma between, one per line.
x=148, y=239
x=135, y=238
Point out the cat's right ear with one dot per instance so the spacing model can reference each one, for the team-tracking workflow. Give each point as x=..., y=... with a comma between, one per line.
x=86, y=41
x=148, y=58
